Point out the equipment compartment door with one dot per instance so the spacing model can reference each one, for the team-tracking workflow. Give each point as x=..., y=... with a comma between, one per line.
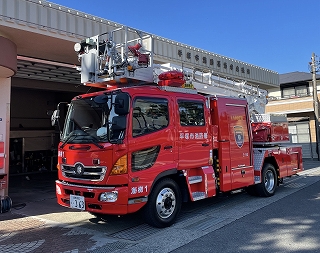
x=242, y=177
x=193, y=130
x=240, y=147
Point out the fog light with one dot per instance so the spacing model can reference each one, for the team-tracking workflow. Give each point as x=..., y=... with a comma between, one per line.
x=58, y=190
x=109, y=196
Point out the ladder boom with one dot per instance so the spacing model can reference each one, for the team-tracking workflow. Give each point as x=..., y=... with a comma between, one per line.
x=125, y=56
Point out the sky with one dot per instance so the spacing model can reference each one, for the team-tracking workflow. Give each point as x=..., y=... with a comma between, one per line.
x=279, y=35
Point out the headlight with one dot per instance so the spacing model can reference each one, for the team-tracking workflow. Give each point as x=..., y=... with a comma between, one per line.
x=109, y=196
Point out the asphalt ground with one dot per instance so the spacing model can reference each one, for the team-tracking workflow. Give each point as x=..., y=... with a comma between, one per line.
x=290, y=225
x=286, y=222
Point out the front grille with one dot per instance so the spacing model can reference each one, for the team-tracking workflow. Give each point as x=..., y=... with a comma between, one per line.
x=81, y=172
x=89, y=195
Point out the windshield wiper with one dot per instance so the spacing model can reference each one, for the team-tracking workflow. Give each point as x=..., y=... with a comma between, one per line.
x=77, y=133
x=72, y=134
x=96, y=142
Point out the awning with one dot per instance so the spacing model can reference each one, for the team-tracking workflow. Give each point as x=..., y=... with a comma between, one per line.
x=298, y=119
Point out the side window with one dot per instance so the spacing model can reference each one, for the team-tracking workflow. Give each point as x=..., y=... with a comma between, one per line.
x=149, y=115
x=191, y=113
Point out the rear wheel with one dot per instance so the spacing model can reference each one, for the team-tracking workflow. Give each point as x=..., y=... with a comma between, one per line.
x=268, y=185
x=164, y=204
x=251, y=190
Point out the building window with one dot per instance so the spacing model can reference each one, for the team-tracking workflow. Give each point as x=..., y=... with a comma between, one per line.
x=288, y=92
x=297, y=91
x=301, y=91
x=299, y=132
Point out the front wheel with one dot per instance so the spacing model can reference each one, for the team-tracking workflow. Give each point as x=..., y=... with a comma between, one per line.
x=164, y=204
x=268, y=185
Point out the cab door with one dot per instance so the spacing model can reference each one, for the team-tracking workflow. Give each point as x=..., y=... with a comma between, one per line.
x=193, y=133
x=150, y=141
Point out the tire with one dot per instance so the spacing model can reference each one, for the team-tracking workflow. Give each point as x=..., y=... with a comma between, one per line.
x=268, y=185
x=164, y=204
x=251, y=190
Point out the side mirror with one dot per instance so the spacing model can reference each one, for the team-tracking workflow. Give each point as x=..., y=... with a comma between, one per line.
x=122, y=104
x=119, y=124
x=54, y=117
x=102, y=100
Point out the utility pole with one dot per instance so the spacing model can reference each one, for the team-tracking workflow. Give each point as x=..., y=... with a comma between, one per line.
x=314, y=70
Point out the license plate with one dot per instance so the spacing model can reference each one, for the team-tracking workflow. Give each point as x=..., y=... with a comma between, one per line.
x=77, y=202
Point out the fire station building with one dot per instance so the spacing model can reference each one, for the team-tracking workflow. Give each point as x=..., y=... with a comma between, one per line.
x=37, y=71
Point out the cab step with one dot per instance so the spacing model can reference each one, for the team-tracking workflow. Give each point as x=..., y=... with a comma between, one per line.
x=195, y=179
x=198, y=195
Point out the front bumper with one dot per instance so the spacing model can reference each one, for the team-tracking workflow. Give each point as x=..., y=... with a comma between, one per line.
x=92, y=202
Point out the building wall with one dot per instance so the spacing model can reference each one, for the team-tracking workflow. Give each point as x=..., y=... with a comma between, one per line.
x=289, y=106
x=297, y=109
x=274, y=93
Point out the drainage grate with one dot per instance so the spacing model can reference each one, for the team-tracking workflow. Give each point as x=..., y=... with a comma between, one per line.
x=7, y=236
x=205, y=224
x=295, y=185
x=110, y=247
x=137, y=233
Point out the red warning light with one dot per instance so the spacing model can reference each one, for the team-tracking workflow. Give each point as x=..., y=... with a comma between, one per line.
x=171, y=78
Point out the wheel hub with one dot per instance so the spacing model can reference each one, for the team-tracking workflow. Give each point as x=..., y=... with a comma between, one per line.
x=269, y=181
x=166, y=203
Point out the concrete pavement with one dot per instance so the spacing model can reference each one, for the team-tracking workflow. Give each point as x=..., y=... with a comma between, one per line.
x=37, y=224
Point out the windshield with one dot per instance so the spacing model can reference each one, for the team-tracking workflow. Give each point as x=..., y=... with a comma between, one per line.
x=85, y=117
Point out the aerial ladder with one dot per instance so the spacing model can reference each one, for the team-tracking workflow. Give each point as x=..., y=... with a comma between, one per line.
x=105, y=63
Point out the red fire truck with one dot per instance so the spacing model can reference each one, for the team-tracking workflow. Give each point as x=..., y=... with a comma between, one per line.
x=159, y=135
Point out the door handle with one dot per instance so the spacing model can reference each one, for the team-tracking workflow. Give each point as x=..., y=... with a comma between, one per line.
x=205, y=144
x=167, y=147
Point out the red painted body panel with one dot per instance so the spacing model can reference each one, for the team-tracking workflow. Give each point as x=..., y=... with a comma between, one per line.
x=270, y=132
x=225, y=139
x=234, y=142
x=289, y=159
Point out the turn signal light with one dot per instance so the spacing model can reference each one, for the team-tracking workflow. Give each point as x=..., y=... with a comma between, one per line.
x=121, y=166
